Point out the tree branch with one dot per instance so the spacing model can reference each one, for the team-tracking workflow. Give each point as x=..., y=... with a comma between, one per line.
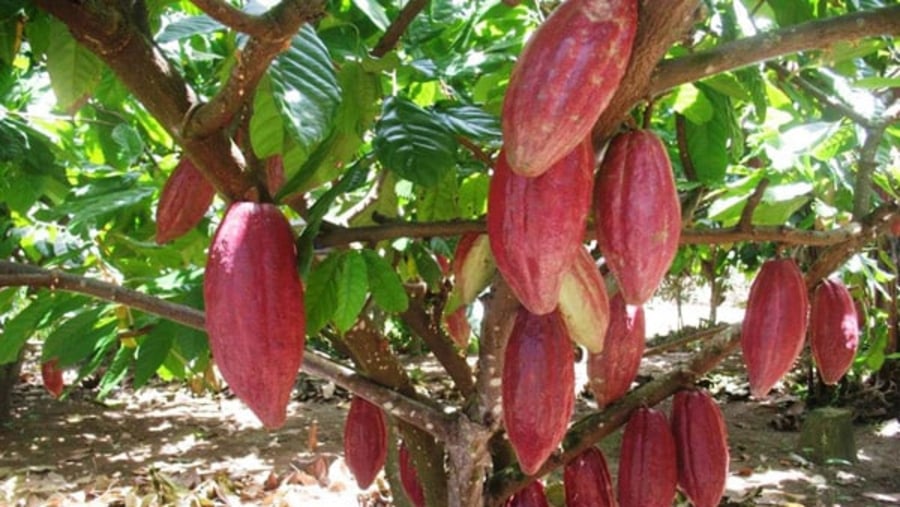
x=234, y=18
x=746, y=222
x=392, y=36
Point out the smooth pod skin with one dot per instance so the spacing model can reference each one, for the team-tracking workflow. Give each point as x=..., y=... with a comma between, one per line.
x=531, y=496
x=254, y=308
x=538, y=387
x=473, y=266
x=564, y=79
x=409, y=478
x=52, y=377
x=536, y=225
x=774, y=324
x=701, y=446
x=587, y=481
x=833, y=330
x=365, y=441
x=584, y=304
x=638, y=213
x=458, y=327
x=612, y=371
x=647, y=466
x=184, y=200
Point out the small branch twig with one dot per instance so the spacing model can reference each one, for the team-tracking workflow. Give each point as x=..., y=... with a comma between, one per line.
x=234, y=18
x=681, y=137
x=866, y=166
x=746, y=222
x=392, y=36
x=820, y=96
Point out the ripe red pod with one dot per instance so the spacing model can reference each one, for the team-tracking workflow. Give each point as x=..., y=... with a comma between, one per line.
x=538, y=387
x=409, y=478
x=473, y=267
x=612, y=371
x=184, y=200
x=564, y=79
x=254, y=308
x=52, y=376
x=365, y=441
x=701, y=446
x=774, y=324
x=638, y=213
x=536, y=225
x=587, y=481
x=584, y=304
x=833, y=330
x=458, y=327
x=531, y=496
x=647, y=467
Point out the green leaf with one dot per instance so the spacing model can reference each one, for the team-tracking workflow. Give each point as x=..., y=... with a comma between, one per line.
x=77, y=337
x=352, y=289
x=188, y=27
x=707, y=148
x=728, y=85
x=74, y=71
x=876, y=82
x=375, y=12
x=413, y=142
x=116, y=372
x=473, y=194
x=440, y=201
x=131, y=146
x=426, y=265
x=693, y=104
x=18, y=329
x=322, y=293
x=791, y=12
x=266, y=125
x=153, y=351
x=842, y=139
x=779, y=202
x=472, y=122
x=753, y=81
x=387, y=289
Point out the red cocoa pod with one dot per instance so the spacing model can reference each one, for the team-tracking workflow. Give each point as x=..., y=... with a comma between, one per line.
x=587, y=481
x=365, y=441
x=774, y=324
x=584, y=304
x=647, y=466
x=409, y=478
x=531, y=496
x=895, y=226
x=538, y=386
x=638, y=213
x=612, y=371
x=254, y=308
x=701, y=447
x=564, y=78
x=536, y=225
x=52, y=376
x=833, y=330
x=473, y=267
x=184, y=200
x=458, y=327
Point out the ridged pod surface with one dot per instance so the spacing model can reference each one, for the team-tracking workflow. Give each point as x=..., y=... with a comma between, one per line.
x=365, y=441
x=638, y=213
x=184, y=200
x=538, y=387
x=774, y=324
x=564, y=79
x=701, y=446
x=536, y=225
x=409, y=478
x=833, y=330
x=52, y=377
x=584, y=304
x=612, y=370
x=254, y=308
x=531, y=496
x=647, y=467
x=473, y=267
x=587, y=481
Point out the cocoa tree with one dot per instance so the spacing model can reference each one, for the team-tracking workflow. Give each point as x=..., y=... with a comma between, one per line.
x=375, y=128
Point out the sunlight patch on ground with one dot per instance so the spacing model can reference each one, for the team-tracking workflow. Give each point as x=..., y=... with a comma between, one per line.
x=890, y=429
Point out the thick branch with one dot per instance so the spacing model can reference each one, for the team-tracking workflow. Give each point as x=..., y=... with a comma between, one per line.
x=234, y=18
x=392, y=36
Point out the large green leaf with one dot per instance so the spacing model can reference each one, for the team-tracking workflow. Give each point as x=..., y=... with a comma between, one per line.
x=266, y=125
x=352, y=289
x=387, y=289
x=321, y=296
x=153, y=351
x=707, y=148
x=375, y=12
x=187, y=27
x=77, y=337
x=439, y=202
x=116, y=371
x=472, y=122
x=18, y=329
x=74, y=71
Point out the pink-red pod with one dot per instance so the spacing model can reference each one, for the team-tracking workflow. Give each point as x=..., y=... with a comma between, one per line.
x=587, y=481
x=458, y=327
x=647, y=467
x=473, y=267
x=584, y=304
x=365, y=441
x=564, y=79
x=638, y=213
x=254, y=308
x=184, y=200
x=52, y=376
x=774, y=324
x=536, y=225
x=701, y=446
x=612, y=371
x=538, y=387
x=833, y=330
x=531, y=496
x=409, y=478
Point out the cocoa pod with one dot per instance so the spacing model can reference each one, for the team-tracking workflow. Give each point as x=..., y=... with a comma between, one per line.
x=184, y=200
x=409, y=478
x=895, y=226
x=254, y=308
x=567, y=73
x=833, y=330
x=584, y=304
x=52, y=376
x=638, y=213
x=538, y=387
x=701, y=447
x=587, y=481
x=458, y=327
x=365, y=441
x=647, y=466
x=774, y=324
x=473, y=267
x=536, y=225
x=612, y=371
x=531, y=496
